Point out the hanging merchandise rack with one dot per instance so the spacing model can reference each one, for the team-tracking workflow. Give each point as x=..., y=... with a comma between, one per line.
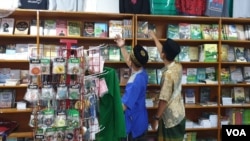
x=65, y=93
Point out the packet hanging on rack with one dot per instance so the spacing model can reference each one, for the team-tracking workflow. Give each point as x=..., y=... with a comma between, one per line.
x=45, y=66
x=74, y=91
x=59, y=66
x=74, y=66
x=35, y=67
x=47, y=92
x=62, y=92
x=32, y=94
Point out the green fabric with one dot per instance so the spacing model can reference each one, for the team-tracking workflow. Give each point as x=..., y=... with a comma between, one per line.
x=175, y=133
x=111, y=113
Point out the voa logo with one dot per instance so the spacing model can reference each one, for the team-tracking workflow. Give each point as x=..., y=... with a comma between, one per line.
x=236, y=132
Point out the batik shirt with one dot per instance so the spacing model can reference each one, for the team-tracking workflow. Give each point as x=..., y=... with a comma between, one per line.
x=171, y=93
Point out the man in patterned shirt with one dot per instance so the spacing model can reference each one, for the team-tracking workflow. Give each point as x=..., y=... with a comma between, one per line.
x=170, y=117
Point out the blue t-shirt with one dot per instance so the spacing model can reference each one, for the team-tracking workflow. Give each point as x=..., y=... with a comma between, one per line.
x=136, y=115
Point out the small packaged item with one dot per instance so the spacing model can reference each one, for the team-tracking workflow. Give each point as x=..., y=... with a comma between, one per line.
x=62, y=92
x=32, y=94
x=47, y=92
x=35, y=67
x=74, y=66
x=59, y=66
x=45, y=66
x=74, y=92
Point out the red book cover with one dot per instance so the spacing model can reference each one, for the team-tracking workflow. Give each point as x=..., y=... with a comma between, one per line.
x=61, y=27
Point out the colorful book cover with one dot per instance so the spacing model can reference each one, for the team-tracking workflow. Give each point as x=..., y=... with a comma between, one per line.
x=173, y=31
x=184, y=54
x=236, y=74
x=100, y=30
x=232, y=32
x=206, y=31
x=201, y=74
x=22, y=27
x=152, y=53
x=142, y=29
x=224, y=52
x=74, y=28
x=193, y=53
x=115, y=28
x=239, y=54
x=211, y=73
x=239, y=94
x=225, y=75
x=88, y=29
x=49, y=28
x=189, y=96
x=210, y=52
x=152, y=76
x=215, y=31
x=191, y=75
x=7, y=26
x=184, y=30
x=104, y=52
x=61, y=27
x=114, y=53
x=196, y=31
x=127, y=28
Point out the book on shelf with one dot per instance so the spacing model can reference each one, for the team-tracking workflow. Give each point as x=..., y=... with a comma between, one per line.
x=173, y=31
x=159, y=76
x=152, y=27
x=10, y=51
x=114, y=53
x=236, y=74
x=231, y=54
x=195, y=31
x=142, y=29
x=74, y=28
x=24, y=76
x=191, y=75
x=246, y=73
x=7, y=26
x=201, y=75
x=152, y=76
x=184, y=76
x=206, y=31
x=224, y=52
x=225, y=75
x=247, y=54
x=88, y=29
x=152, y=53
x=201, y=53
x=205, y=93
x=104, y=52
x=2, y=50
x=22, y=27
x=189, y=94
x=184, y=30
x=184, y=54
x=239, y=54
x=49, y=28
x=239, y=94
x=100, y=29
x=7, y=98
x=240, y=32
x=193, y=53
x=125, y=73
x=21, y=51
x=211, y=73
x=34, y=29
x=115, y=28
x=210, y=52
x=247, y=94
x=226, y=92
x=127, y=28
x=215, y=31
x=232, y=32
x=61, y=27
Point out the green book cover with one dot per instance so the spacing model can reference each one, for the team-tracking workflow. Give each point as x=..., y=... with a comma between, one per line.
x=191, y=75
x=152, y=76
x=196, y=31
x=201, y=74
x=114, y=53
x=173, y=31
x=210, y=52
